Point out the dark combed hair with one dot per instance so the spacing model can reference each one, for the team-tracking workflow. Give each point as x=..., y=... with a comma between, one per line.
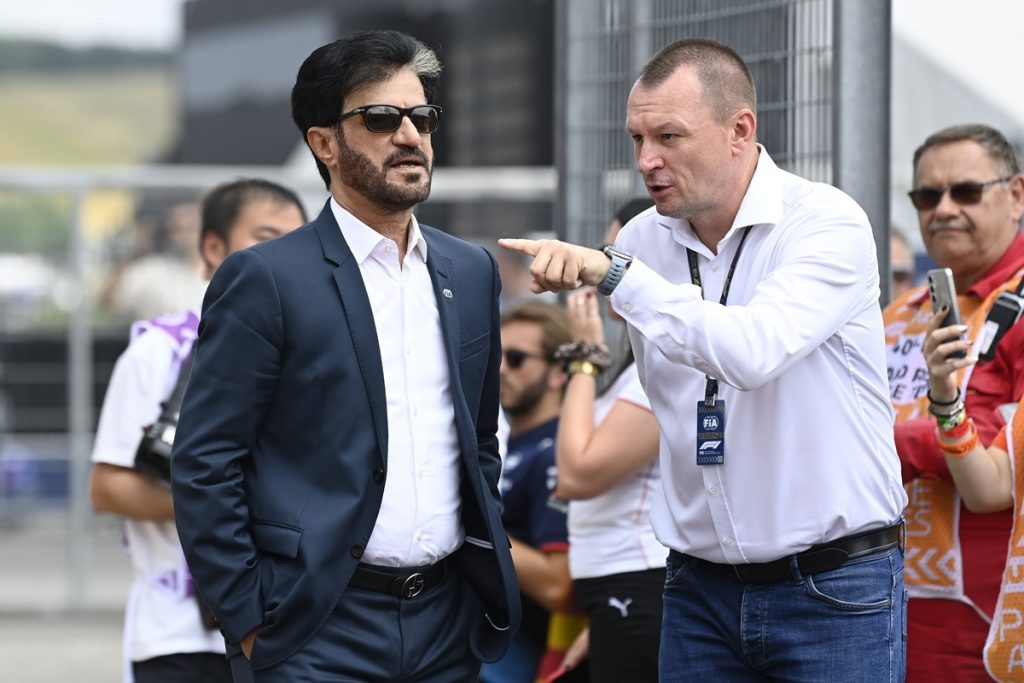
x=724, y=77
x=995, y=143
x=334, y=71
x=223, y=204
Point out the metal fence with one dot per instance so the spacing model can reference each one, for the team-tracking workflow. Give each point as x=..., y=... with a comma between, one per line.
x=58, y=554
x=788, y=45
x=60, y=336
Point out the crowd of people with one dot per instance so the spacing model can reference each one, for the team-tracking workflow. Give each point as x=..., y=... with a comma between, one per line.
x=354, y=463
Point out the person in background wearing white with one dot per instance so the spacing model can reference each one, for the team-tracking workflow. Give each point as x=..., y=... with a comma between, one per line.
x=165, y=639
x=607, y=456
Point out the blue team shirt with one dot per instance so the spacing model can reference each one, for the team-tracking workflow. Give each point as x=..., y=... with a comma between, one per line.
x=527, y=481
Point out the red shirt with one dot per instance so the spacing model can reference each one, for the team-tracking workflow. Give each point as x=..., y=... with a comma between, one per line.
x=946, y=638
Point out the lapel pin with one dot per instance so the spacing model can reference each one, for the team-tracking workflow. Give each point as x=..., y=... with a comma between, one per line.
x=447, y=293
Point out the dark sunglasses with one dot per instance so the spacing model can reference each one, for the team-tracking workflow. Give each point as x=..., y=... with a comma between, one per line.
x=964, y=194
x=515, y=358
x=386, y=118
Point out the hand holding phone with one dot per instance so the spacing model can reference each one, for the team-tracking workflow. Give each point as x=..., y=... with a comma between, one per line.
x=943, y=293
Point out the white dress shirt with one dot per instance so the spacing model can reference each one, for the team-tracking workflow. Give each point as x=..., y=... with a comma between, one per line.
x=799, y=353
x=419, y=521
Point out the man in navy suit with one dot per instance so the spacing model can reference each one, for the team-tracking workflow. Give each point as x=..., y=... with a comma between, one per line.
x=335, y=472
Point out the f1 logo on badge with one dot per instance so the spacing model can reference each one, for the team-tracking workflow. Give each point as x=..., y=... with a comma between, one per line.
x=710, y=423
x=710, y=445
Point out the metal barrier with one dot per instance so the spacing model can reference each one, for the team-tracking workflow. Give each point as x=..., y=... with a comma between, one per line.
x=55, y=361
x=790, y=47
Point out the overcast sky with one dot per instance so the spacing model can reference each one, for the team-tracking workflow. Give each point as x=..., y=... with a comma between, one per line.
x=979, y=40
x=132, y=23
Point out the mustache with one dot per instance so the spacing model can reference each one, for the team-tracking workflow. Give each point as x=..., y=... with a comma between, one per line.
x=404, y=155
x=950, y=224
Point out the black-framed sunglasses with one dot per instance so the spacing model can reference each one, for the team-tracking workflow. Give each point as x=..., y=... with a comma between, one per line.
x=386, y=118
x=964, y=194
x=515, y=358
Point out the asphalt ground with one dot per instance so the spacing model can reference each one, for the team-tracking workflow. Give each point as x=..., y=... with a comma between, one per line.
x=61, y=617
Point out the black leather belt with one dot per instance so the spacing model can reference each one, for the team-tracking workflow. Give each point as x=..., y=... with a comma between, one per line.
x=819, y=558
x=401, y=583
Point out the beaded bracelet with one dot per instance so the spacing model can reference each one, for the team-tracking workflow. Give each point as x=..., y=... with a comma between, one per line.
x=962, y=449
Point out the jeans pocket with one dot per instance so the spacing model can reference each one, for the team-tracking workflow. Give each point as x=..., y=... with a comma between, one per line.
x=859, y=586
x=676, y=567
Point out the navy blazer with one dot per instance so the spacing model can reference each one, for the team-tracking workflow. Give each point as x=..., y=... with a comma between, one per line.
x=281, y=452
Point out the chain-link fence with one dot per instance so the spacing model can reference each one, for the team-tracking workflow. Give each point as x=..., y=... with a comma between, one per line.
x=788, y=45
x=85, y=252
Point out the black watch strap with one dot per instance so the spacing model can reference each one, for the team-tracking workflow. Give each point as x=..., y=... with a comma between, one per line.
x=619, y=265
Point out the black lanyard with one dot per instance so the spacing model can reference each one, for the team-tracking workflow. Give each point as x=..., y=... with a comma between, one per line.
x=711, y=385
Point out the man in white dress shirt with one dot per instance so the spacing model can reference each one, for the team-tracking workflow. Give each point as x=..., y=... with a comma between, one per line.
x=752, y=302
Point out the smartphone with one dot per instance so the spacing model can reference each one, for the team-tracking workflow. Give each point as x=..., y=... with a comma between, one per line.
x=943, y=291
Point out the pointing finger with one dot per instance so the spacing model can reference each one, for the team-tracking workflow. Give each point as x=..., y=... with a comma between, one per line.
x=528, y=247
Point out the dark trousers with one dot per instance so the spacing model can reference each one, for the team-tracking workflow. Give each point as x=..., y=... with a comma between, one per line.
x=186, y=667
x=624, y=611
x=378, y=638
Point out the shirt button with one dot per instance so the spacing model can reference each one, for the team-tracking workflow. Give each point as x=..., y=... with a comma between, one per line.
x=713, y=490
x=357, y=551
x=419, y=535
x=714, y=267
x=727, y=541
x=388, y=248
x=378, y=476
x=628, y=308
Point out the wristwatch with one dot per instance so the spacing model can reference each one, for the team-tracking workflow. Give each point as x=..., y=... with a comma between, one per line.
x=583, y=367
x=620, y=263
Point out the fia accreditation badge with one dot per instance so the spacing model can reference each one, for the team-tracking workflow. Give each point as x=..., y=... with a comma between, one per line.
x=711, y=432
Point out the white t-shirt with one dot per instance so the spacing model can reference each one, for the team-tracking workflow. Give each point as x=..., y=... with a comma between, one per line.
x=162, y=615
x=612, y=533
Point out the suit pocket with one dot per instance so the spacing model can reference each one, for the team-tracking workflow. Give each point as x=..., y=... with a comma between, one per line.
x=474, y=346
x=278, y=539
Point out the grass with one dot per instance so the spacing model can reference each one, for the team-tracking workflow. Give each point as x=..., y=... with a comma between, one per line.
x=109, y=116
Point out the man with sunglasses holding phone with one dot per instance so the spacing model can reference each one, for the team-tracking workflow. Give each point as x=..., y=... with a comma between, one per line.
x=969, y=196
x=336, y=487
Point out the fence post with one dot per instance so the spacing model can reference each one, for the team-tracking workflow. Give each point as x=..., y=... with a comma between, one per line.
x=862, y=65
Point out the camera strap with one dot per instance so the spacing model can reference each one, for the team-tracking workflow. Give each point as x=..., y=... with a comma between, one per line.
x=1004, y=314
x=170, y=408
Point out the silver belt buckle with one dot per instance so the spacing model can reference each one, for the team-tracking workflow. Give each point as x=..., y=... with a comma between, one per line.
x=413, y=585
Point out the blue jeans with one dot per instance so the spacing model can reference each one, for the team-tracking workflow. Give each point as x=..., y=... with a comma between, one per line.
x=844, y=625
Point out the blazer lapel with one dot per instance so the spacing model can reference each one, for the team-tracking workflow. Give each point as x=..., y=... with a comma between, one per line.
x=443, y=278
x=442, y=275
x=359, y=315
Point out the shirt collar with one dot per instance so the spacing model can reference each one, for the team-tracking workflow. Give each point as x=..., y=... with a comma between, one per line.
x=761, y=205
x=362, y=239
x=1008, y=265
